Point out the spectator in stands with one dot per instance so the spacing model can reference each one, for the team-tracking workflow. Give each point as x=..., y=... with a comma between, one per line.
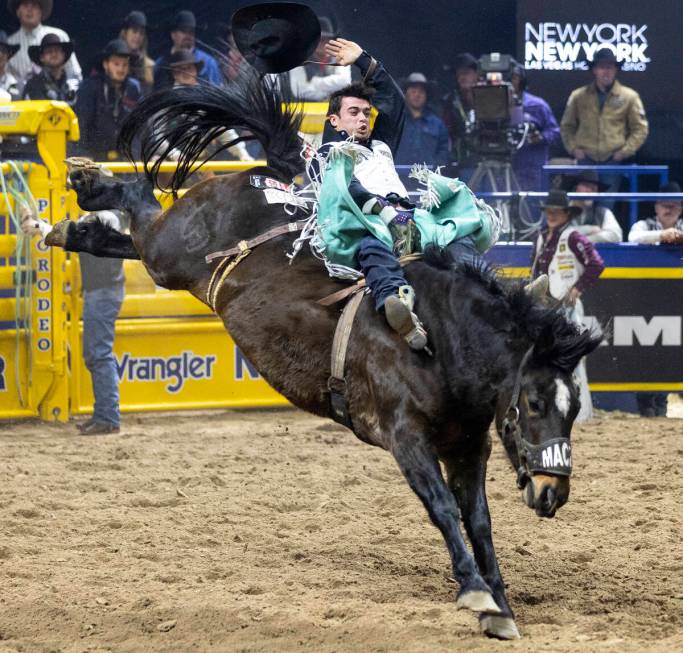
x=186, y=69
x=604, y=122
x=595, y=222
x=667, y=224
x=572, y=265
x=134, y=33
x=183, y=37
x=8, y=82
x=31, y=14
x=315, y=82
x=425, y=137
x=458, y=110
x=104, y=101
x=543, y=132
x=52, y=82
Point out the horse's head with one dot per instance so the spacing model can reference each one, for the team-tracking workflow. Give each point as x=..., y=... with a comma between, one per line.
x=536, y=420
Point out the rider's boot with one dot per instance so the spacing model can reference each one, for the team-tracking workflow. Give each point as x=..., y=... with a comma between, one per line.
x=398, y=310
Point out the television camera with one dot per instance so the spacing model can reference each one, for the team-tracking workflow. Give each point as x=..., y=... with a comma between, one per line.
x=496, y=126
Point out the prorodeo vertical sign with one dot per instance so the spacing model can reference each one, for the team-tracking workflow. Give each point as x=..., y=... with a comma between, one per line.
x=43, y=291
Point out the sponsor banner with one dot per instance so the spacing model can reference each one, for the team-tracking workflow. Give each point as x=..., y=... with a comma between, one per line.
x=644, y=321
x=639, y=301
x=556, y=40
x=187, y=364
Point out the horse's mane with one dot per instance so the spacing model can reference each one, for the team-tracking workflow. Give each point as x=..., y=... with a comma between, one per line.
x=185, y=120
x=557, y=340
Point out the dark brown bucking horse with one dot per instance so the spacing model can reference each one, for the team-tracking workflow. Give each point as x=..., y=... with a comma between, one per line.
x=498, y=354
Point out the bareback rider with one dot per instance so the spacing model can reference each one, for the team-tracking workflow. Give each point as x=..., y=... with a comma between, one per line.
x=376, y=187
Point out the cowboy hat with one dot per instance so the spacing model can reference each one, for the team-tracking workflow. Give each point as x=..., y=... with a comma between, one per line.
x=8, y=47
x=588, y=177
x=604, y=55
x=116, y=48
x=35, y=51
x=275, y=37
x=45, y=6
x=184, y=57
x=135, y=19
x=557, y=199
x=418, y=79
x=184, y=21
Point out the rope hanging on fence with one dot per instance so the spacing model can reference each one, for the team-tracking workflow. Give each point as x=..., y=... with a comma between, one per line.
x=14, y=186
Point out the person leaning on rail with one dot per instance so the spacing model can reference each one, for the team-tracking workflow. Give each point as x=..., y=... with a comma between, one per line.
x=595, y=222
x=667, y=224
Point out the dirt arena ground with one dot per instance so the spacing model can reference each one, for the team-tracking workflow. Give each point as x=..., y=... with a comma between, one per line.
x=233, y=531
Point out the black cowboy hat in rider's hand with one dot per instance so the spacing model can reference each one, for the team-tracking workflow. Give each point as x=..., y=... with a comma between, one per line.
x=45, y=7
x=557, y=199
x=604, y=55
x=10, y=49
x=275, y=37
x=35, y=51
x=586, y=176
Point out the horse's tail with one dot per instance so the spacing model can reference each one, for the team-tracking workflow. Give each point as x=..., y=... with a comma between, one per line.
x=182, y=122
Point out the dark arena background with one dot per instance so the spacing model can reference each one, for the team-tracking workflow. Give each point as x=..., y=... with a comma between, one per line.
x=220, y=518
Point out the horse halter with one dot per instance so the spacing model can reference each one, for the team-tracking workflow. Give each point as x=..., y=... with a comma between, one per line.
x=552, y=457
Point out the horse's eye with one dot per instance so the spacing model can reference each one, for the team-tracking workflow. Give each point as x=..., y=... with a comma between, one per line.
x=536, y=405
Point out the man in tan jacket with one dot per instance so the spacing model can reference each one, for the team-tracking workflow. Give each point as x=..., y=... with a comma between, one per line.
x=604, y=122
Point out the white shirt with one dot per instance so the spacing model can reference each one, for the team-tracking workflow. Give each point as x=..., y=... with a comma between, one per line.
x=609, y=232
x=375, y=170
x=649, y=231
x=8, y=84
x=22, y=67
x=319, y=87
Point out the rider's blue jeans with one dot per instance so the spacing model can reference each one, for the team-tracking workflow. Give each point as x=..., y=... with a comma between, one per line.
x=100, y=309
x=383, y=273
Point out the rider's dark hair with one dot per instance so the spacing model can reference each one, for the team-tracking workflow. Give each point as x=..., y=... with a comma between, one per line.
x=357, y=90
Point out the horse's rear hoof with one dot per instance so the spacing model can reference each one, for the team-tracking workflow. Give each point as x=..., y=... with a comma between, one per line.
x=494, y=625
x=477, y=601
x=59, y=233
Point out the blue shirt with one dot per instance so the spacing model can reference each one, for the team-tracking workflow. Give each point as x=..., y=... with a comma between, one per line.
x=530, y=159
x=163, y=75
x=424, y=140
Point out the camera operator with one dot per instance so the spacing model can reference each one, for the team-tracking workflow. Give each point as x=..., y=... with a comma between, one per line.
x=543, y=132
x=458, y=108
x=52, y=82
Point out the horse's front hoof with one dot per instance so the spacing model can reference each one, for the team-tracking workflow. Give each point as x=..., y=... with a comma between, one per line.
x=59, y=234
x=477, y=601
x=495, y=625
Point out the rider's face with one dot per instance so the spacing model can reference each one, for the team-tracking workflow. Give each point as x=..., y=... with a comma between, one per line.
x=353, y=117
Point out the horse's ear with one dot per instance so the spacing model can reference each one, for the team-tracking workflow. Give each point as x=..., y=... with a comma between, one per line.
x=565, y=352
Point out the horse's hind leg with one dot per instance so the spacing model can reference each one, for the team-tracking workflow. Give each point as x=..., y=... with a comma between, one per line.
x=97, y=190
x=420, y=466
x=466, y=478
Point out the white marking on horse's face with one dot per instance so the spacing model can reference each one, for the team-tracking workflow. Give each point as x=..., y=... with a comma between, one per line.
x=563, y=397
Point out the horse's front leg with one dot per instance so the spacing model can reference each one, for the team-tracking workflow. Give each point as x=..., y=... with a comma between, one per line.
x=91, y=235
x=420, y=466
x=466, y=478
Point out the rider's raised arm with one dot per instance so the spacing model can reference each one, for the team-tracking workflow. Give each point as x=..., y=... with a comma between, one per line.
x=388, y=100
